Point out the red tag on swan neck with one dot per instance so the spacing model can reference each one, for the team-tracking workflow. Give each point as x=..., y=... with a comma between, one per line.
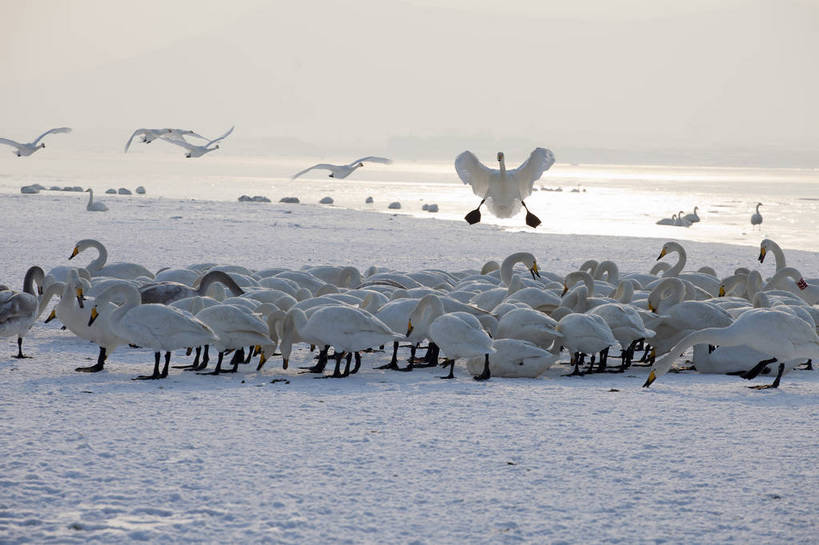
x=801, y=284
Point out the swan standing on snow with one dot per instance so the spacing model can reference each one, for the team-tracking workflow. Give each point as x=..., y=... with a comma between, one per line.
x=193, y=150
x=19, y=310
x=24, y=150
x=149, y=135
x=235, y=328
x=342, y=171
x=503, y=190
x=92, y=206
x=756, y=217
x=157, y=327
x=781, y=335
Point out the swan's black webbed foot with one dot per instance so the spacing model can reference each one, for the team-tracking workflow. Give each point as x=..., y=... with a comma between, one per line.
x=408, y=368
x=775, y=383
x=451, y=369
x=474, y=216
x=218, y=370
x=97, y=366
x=754, y=371
x=531, y=220
x=808, y=366
x=156, y=374
x=20, y=355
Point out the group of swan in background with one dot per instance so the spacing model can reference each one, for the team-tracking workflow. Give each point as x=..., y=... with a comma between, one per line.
x=681, y=219
x=500, y=321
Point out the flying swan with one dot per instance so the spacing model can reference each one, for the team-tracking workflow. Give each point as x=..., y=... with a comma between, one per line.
x=503, y=190
x=24, y=150
x=342, y=171
x=193, y=150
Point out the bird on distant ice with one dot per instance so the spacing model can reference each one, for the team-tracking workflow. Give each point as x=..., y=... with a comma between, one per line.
x=342, y=171
x=503, y=190
x=756, y=217
x=194, y=150
x=149, y=135
x=92, y=205
x=24, y=150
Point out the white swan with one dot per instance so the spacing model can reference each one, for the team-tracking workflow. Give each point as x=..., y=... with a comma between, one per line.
x=514, y=358
x=457, y=334
x=503, y=190
x=342, y=171
x=92, y=206
x=704, y=281
x=26, y=149
x=668, y=221
x=626, y=325
x=584, y=334
x=235, y=328
x=768, y=245
x=692, y=217
x=756, y=217
x=194, y=150
x=19, y=310
x=149, y=135
x=98, y=267
x=790, y=279
x=347, y=329
x=527, y=325
x=157, y=327
x=784, y=337
x=681, y=221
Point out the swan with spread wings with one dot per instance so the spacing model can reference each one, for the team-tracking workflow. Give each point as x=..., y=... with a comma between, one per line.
x=503, y=190
x=342, y=171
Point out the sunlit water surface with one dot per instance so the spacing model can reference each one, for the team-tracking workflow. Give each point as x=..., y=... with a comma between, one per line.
x=592, y=199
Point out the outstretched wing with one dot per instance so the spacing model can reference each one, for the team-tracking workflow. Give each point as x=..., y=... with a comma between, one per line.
x=136, y=133
x=178, y=140
x=185, y=132
x=10, y=143
x=320, y=165
x=531, y=170
x=221, y=137
x=371, y=159
x=474, y=173
x=52, y=131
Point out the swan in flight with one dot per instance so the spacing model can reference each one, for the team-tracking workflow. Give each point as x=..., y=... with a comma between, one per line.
x=342, y=171
x=149, y=135
x=756, y=217
x=24, y=150
x=92, y=206
x=194, y=150
x=503, y=190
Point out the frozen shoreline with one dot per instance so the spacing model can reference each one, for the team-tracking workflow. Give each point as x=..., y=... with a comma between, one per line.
x=379, y=457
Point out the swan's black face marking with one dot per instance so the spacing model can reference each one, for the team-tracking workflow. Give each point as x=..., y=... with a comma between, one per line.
x=330, y=175
x=360, y=164
x=762, y=252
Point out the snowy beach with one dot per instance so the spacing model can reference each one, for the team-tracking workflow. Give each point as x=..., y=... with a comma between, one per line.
x=379, y=457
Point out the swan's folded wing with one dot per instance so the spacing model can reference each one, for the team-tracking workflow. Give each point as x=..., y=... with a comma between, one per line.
x=531, y=170
x=474, y=173
x=10, y=142
x=372, y=159
x=320, y=165
x=58, y=130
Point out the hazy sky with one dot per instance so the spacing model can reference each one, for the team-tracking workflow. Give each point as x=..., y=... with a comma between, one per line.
x=612, y=74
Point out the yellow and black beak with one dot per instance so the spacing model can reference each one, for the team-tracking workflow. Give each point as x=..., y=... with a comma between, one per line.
x=762, y=252
x=409, y=328
x=263, y=358
x=257, y=350
x=565, y=289
x=534, y=270
x=80, y=298
x=94, y=315
x=74, y=253
x=722, y=291
x=651, y=308
x=662, y=254
x=650, y=380
x=51, y=316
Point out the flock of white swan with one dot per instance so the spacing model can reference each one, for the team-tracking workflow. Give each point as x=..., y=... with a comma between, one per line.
x=502, y=321
x=681, y=219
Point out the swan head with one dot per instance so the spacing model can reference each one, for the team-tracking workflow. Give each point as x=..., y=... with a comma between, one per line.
x=500, y=156
x=360, y=164
x=42, y=145
x=762, y=252
x=663, y=253
x=409, y=327
x=330, y=175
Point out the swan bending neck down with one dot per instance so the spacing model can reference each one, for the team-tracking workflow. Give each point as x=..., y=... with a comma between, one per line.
x=19, y=310
x=509, y=263
x=94, y=206
x=168, y=292
x=781, y=335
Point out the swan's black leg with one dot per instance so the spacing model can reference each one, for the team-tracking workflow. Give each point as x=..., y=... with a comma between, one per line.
x=531, y=220
x=475, y=215
x=357, y=365
x=250, y=351
x=96, y=367
x=155, y=374
x=20, y=354
x=238, y=356
x=577, y=361
x=321, y=363
x=164, y=373
x=604, y=357
x=775, y=383
x=451, y=368
x=205, y=358
x=754, y=371
x=486, y=373
x=808, y=365
x=431, y=357
x=394, y=361
x=218, y=368
x=195, y=364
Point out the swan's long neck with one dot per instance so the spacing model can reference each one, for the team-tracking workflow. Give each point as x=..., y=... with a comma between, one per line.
x=723, y=336
x=51, y=291
x=675, y=270
x=427, y=310
x=502, y=163
x=349, y=277
x=509, y=264
x=34, y=275
x=624, y=292
x=131, y=297
x=757, y=207
x=294, y=320
x=667, y=293
x=574, y=277
x=779, y=255
x=589, y=266
x=753, y=284
x=102, y=256
x=608, y=268
x=221, y=277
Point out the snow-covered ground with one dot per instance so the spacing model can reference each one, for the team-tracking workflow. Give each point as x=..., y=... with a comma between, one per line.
x=379, y=457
